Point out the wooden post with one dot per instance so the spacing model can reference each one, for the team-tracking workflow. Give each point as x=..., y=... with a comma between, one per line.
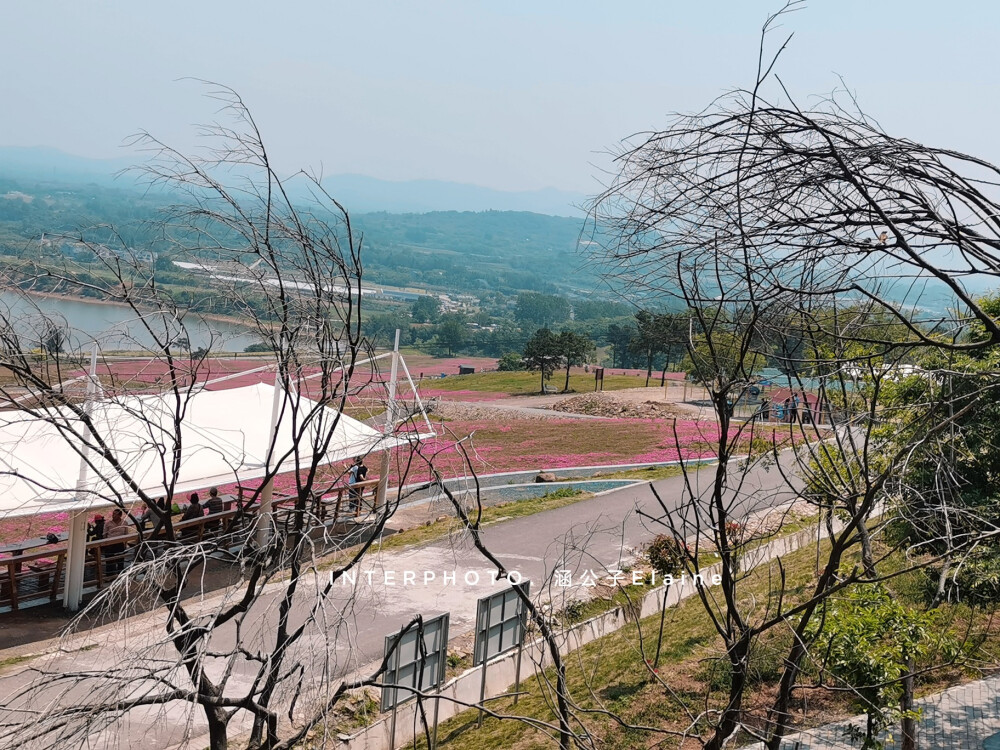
x=60, y=561
x=12, y=578
x=99, y=570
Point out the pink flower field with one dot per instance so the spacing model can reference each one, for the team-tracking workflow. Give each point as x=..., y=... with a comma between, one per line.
x=26, y=527
x=495, y=447
x=528, y=445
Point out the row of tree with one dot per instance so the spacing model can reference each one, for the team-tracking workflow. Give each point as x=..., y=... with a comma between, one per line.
x=648, y=340
x=771, y=229
x=547, y=351
x=780, y=230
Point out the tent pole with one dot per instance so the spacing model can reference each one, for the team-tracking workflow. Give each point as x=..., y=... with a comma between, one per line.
x=76, y=559
x=416, y=396
x=265, y=521
x=390, y=426
x=76, y=552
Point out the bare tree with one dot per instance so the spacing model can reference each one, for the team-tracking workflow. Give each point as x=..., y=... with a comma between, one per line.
x=813, y=241
x=262, y=659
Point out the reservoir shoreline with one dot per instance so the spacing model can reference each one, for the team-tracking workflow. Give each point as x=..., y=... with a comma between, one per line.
x=213, y=317
x=114, y=325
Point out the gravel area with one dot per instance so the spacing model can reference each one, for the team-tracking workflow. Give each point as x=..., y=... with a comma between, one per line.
x=642, y=403
x=766, y=523
x=608, y=404
x=484, y=411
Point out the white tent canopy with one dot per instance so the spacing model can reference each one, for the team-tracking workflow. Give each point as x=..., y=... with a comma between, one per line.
x=225, y=435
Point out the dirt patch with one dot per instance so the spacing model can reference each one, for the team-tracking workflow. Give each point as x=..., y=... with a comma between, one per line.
x=476, y=411
x=770, y=521
x=617, y=405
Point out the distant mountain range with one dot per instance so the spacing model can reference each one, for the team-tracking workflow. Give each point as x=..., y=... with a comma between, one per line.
x=359, y=193
x=40, y=164
x=420, y=196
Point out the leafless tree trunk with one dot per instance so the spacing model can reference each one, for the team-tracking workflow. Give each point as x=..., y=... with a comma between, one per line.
x=259, y=661
x=777, y=229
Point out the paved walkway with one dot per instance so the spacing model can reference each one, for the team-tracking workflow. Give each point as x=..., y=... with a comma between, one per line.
x=595, y=534
x=961, y=718
x=19, y=630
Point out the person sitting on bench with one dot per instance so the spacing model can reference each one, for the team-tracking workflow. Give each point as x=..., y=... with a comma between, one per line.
x=193, y=511
x=213, y=506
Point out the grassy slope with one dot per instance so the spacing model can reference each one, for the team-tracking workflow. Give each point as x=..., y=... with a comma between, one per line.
x=612, y=674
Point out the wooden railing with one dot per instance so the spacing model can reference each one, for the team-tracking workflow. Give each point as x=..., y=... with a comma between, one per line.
x=39, y=576
x=35, y=576
x=341, y=504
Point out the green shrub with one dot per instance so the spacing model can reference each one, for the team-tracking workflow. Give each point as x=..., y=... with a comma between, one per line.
x=574, y=610
x=563, y=492
x=667, y=554
x=977, y=581
x=764, y=667
x=511, y=362
x=260, y=347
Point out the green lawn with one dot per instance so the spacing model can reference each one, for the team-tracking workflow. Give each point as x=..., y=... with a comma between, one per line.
x=527, y=383
x=611, y=674
x=556, y=498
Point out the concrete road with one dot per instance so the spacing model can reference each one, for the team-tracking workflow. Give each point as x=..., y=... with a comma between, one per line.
x=584, y=542
x=596, y=536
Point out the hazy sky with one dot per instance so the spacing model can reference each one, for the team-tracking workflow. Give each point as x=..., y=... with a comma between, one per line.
x=511, y=95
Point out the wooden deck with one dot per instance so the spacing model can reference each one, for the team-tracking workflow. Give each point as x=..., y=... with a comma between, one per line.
x=38, y=577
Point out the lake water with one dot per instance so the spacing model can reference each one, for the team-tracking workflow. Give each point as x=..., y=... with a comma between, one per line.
x=114, y=327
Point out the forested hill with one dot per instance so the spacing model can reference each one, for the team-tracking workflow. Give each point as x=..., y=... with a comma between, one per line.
x=505, y=251
x=476, y=251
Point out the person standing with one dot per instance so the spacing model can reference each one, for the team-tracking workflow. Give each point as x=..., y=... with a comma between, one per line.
x=357, y=474
x=117, y=526
x=95, y=529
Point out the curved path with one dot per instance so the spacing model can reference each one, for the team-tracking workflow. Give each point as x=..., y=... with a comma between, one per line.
x=592, y=536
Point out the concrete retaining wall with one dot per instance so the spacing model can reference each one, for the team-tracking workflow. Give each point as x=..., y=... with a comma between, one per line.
x=463, y=690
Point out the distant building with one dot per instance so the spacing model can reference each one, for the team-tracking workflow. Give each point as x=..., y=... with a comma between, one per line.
x=78, y=249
